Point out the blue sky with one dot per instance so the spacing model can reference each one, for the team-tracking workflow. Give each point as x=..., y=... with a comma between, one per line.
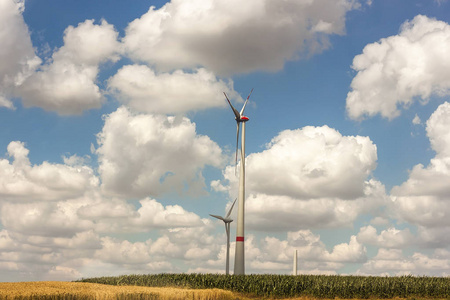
x=117, y=142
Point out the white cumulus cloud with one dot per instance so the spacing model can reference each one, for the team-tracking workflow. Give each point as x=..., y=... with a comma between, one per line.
x=144, y=154
x=234, y=36
x=17, y=57
x=309, y=177
x=114, y=215
x=20, y=180
x=67, y=84
x=140, y=88
x=394, y=262
x=397, y=70
x=423, y=198
x=390, y=238
x=48, y=219
x=274, y=254
x=312, y=162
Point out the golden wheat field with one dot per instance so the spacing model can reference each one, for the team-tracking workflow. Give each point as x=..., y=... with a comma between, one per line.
x=82, y=290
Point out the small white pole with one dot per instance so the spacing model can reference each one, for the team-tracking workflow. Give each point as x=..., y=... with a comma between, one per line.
x=294, y=272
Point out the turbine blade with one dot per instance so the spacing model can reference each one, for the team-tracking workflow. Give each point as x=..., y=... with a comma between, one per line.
x=231, y=208
x=245, y=103
x=236, y=113
x=217, y=217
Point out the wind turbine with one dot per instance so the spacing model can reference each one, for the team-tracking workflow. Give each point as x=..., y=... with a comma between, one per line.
x=294, y=265
x=239, y=257
x=240, y=118
x=227, y=222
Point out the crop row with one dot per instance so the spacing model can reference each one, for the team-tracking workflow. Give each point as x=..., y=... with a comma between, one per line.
x=319, y=286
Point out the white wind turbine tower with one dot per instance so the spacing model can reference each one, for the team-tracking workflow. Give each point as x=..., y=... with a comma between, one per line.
x=227, y=222
x=239, y=257
x=294, y=266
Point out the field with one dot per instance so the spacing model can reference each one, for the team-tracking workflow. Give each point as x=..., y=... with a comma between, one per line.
x=249, y=287
x=285, y=286
x=84, y=291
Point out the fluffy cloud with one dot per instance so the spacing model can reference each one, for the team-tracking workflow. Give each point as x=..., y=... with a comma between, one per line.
x=20, y=180
x=193, y=246
x=71, y=245
x=113, y=215
x=45, y=258
x=279, y=213
x=67, y=84
x=44, y=218
x=423, y=198
x=110, y=215
x=42, y=222
x=124, y=252
x=143, y=90
x=231, y=36
x=312, y=162
x=17, y=58
x=61, y=238
x=42, y=237
x=275, y=254
x=144, y=155
x=152, y=214
x=89, y=43
x=309, y=177
x=4, y=102
x=351, y=252
x=390, y=238
x=397, y=70
x=198, y=248
x=434, y=237
x=393, y=262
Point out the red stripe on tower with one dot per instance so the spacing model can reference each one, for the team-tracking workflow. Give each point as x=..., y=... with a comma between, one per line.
x=239, y=239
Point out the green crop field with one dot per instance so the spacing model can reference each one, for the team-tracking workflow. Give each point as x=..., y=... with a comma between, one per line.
x=279, y=286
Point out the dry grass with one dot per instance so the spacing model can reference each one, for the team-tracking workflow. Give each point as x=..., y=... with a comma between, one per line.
x=82, y=290
x=57, y=290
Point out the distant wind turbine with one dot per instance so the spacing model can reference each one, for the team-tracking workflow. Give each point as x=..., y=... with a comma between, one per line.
x=239, y=258
x=227, y=222
x=294, y=266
